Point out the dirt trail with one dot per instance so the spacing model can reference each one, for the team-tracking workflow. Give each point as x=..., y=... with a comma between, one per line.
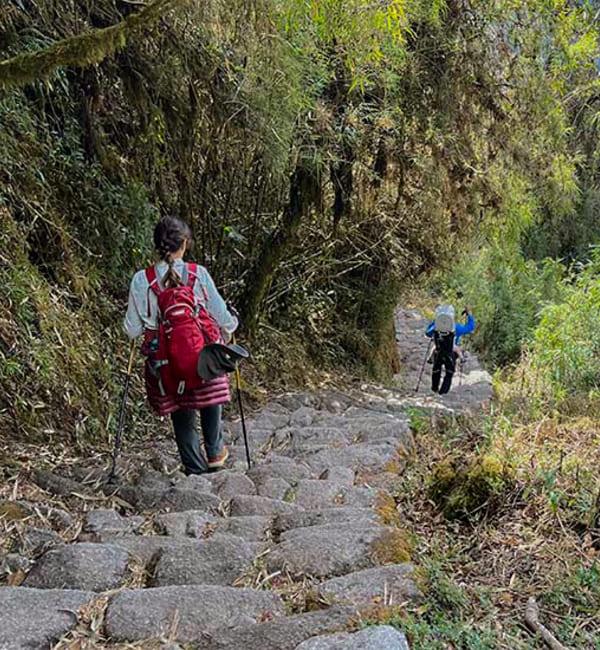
x=287, y=555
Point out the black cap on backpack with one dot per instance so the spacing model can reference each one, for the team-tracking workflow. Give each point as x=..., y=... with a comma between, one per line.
x=216, y=359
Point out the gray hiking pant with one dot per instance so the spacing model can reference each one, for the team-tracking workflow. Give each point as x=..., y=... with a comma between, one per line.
x=188, y=439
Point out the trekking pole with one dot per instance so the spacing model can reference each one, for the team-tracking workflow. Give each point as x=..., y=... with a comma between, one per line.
x=238, y=386
x=121, y=422
x=423, y=366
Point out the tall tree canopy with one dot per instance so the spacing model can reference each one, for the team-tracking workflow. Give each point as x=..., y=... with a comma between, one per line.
x=327, y=155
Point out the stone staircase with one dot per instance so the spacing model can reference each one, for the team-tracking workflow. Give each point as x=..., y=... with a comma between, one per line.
x=291, y=554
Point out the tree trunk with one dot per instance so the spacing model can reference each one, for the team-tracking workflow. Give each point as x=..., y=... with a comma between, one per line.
x=343, y=183
x=377, y=319
x=303, y=188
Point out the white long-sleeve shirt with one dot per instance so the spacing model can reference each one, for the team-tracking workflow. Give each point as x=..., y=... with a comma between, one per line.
x=142, y=316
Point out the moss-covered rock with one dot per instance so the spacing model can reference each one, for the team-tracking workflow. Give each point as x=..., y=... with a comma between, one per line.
x=385, y=507
x=460, y=489
x=393, y=547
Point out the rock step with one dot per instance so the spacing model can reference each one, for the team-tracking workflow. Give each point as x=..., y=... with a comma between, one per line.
x=281, y=633
x=327, y=550
x=37, y=618
x=381, y=637
x=311, y=501
x=388, y=585
x=186, y=613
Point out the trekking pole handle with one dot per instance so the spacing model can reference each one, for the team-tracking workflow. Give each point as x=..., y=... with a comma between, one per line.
x=131, y=357
x=238, y=375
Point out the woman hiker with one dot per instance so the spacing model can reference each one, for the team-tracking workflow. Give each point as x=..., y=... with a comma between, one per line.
x=172, y=238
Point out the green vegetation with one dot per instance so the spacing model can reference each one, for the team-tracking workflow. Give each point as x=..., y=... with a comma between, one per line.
x=82, y=50
x=502, y=510
x=327, y=155
x=331, y=157
x=462, y=490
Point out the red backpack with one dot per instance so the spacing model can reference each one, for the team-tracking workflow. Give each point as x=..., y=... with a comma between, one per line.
x=184, y=328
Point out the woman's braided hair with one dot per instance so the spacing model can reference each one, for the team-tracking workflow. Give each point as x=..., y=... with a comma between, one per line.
x=169, y=235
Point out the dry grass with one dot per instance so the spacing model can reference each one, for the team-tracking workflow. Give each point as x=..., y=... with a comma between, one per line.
x=297, y=592
x=536, y=542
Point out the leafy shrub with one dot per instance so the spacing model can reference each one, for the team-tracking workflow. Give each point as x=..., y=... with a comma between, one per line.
x=506, y=293
x=462, y=489
x=566, y=344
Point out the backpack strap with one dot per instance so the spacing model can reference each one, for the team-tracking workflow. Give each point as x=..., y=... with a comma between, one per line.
x=192, y=272
x=153, y=280
x=153, y=285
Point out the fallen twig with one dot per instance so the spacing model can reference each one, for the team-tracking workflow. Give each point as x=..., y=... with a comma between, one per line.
x=532, y=618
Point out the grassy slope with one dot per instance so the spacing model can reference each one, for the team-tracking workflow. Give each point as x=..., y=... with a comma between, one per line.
x=519, y=499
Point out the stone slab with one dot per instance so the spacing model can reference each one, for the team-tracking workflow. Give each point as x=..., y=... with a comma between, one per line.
x=110, y=522
x=189, y=523
x=282, y=633
x=186, y=613
x=380, y=637
x=327, y=550
x=388, y=585
x=219, y=560
x=247, y=505
x=229, y=484
x=281, y=467
x=37, y=618
x=274, y=488
x=342, y=515
x=180, y=499
x=86, y=566
x=251, y=528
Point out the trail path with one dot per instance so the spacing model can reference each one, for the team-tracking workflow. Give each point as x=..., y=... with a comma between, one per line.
x=288, y=555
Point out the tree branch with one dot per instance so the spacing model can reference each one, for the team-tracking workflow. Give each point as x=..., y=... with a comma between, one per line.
x=532, y=613
x=82, y=50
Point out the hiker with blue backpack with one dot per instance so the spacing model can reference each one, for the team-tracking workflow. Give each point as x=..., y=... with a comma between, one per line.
x=446, y=334
x=184, y=320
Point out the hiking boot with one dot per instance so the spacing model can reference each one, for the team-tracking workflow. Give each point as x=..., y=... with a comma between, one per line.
x=218, y=461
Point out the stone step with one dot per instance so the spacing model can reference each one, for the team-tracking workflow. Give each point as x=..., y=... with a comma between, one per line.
x=315, y=494
x=379, y=637
x=254, y=505
x=281, y=633
x=187, y=613
x=37, y=618
x=362, y=456
x=390, y=585
x=327, y=550
x=219, y=560
x=85, y=567
x=188, y=523
x=109, y=522
x=341, y=515
x=173, y=499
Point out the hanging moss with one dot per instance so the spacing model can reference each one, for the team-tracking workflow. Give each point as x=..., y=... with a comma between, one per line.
x=83, y=50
